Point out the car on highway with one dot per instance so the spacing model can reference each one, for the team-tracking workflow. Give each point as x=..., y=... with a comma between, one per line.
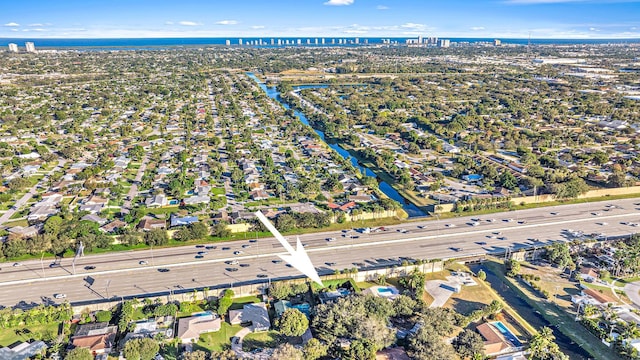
x=89, y=267
x=262, y=276
x=522, y=222
x=17, y=264
x=482, y=243
x=210, y=247
x=456, y=249
x=253, y=241
x=276, y=261
x=246, y=246
x=331, y=239
x=54, y=264
x=475, y=223
x=232, y=262
x=330, y=263
x=202, y=253
x=143, y=262
x=450, y=225
x=596, y=213
x=245, y=265
x=164, y=270
x=59, y=296
x=238, y=252
x=199, y=256
x=421, y=226
x=554, y=213
x=231, y=269
x=508, y=220
x=226, y=248
x=491, y=220
x=199, y=246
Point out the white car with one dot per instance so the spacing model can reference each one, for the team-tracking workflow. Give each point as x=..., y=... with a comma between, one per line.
x=17, y=264
x=59, y=296
x=143, y=262
x=238, y=252
x=331, y=239
x=450, y=225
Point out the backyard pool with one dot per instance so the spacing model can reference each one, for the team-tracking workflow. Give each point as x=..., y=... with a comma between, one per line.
x=506, y=333
x=173, y=202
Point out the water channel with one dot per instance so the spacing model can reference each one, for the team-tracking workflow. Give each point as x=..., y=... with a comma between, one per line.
x=411, y=209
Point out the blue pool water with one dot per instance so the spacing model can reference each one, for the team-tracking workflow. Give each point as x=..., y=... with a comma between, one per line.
x=173, y=202
x=384, y=290
x=506, y=333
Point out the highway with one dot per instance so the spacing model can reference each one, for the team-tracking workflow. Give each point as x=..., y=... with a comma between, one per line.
x=177, y=269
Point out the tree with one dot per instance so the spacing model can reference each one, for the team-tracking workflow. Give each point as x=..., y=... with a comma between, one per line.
x=314, y=349
x=543, y=347
x=103, y=316
x=293, y=323
x=482, y=275
x=507, y=180
x=220, y=230
x=156, y=237
x=559, y=254
x=195, y=355
x=79, y=354
x=280, y=290
x=287, y=351
x=361, y=349
x=224, y=355
x=224, y=303
x=469, y=345
x=513, y=267
x=140, y=349
x=404, y=305
x=426, y=345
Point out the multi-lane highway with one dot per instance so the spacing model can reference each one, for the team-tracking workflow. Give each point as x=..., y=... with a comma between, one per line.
x=174, y=269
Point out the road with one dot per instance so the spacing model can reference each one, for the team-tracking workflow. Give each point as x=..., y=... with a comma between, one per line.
x=133, y=191
x=121, y=274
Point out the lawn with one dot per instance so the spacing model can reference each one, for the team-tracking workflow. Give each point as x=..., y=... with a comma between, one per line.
x=219, y=340
x=238, y=303
x=217, y=191
x=269, y=339
x=9, y=336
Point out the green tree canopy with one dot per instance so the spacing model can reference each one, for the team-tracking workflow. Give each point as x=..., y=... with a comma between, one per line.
x=293, y=323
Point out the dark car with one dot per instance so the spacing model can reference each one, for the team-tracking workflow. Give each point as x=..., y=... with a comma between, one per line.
x=226, y=248
x=199, y=246
x=89, y=267
x=210, y=247
x=52, y=265
x=245, y=265
x=231, y=269
x=253, y=241
x=262, y=276
x=164, y=270
x=199, y=256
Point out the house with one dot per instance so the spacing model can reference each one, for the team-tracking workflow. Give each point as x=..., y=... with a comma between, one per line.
x=331, y=296
x=23, y=351
x=198, y=199
x=600, y=298
x=256, y=314
x=259, y=195
x=396, y=353
x=113, y=226
x=94, y=218
x=24, y=232
x=190, y=328
x=99, y=338
x=151, y=327
x=361, y=197
x=494, y=341
x=148, y=223
x=96, y=200
x=588, y=274
x=156, y=201
x=92, y=209
x=308, y=208
x=175, y=220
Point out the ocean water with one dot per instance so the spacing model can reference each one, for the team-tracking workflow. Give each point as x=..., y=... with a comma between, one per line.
x=152, y=43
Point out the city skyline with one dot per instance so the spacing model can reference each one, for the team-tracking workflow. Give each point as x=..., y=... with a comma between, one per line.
x=560, y=19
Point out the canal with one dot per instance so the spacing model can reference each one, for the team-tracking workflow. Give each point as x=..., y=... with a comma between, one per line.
x=534, y=318
x=411, y=209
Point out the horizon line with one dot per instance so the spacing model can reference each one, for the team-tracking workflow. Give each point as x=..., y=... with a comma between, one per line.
x=321, y=36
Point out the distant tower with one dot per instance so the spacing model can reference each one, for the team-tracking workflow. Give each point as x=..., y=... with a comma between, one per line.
x=30, y=47
x=444, y=43
x=13, y=47
x=357, y=41
x=497, y=42
x=420, y=39
x=239, y=41
x=322, y=41
x=228, y=42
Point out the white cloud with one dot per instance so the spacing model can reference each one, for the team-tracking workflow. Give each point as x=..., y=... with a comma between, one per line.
x=477, y=28
x=189, y=23
x=12, y=24
x=14, y=29
x=36, y=25
x=339, y=2
x=39, y=29
x=257, y=27
x=168, y=22
x=413, y=26
x=593, y=29
x=382, y=7
x=227, y=22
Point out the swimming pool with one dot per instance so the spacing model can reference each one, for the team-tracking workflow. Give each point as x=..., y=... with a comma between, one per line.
x=385, y=291
x=506, y=333
x=173, y=202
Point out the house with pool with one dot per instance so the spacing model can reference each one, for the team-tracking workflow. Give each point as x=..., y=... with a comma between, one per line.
x=498, y=339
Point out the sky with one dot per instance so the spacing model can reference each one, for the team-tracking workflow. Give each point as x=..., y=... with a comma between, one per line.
x=560, y=19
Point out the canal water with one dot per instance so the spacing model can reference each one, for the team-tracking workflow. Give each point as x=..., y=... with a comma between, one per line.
x=411, y=209
x=565, y=344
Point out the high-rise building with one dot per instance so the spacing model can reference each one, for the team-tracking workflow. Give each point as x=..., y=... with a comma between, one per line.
x=357, y=40
x=239, y=41
x=444, y=43
x=497, y=42
x=322, y=41
x=30, y=47
x=420, y=39
x=13, y=47
x=273, y=42
x=228, y=42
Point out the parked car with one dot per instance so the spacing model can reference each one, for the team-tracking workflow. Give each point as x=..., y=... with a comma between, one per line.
x=59, y=296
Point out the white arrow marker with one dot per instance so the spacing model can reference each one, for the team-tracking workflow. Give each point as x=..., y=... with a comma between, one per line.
x=297, y=258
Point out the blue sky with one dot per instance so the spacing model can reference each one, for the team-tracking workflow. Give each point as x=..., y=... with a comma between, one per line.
x=343, y=18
